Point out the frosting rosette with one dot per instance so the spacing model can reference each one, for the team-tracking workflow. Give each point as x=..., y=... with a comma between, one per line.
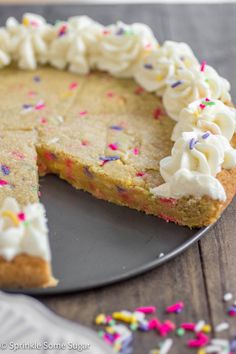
x=202, y=155
x=206, y=115
x=75, y=44
x=29, y=40
x=158, y=66
x=5, y=57
x=122, y=46
x=23, y=231
x=192, y=84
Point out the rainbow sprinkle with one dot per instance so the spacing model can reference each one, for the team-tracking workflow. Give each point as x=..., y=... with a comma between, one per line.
x=5, y=170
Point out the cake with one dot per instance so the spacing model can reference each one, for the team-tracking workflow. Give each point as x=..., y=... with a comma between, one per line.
x=114, y=113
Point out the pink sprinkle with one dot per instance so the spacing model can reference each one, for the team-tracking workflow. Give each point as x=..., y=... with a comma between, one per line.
x=203, y=65
x=178, y=307
x=3, y=182
x=139, y=90
x=107, y=338
x=140, y=174
x=39, y=106
x=167, y=218
x=110, y=94
x=83, y=113
x=171, y=201
x=202, y=106
x=170, y=325
x=113, y=146
x=154, y=323
x=146, y=309
x=73, y=85
x=105, y=32
x=201, y=341
x=43, y=120
x=19, y=155
x=207, y=100
x=136, y=151
x=21, y=216
x=188, y=326
x=148, y=46
x=49, y=156
x=85, y=142
x=157, y=113
x=32, y=93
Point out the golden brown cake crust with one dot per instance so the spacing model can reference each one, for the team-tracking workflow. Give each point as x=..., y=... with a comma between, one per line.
x=25, y=271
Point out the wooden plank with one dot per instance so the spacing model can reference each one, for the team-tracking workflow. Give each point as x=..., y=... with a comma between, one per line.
x=180, y=279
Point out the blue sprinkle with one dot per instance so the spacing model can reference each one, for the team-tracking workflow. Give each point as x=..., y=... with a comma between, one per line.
x=120, y=189
x=36, y=79
x=27, y=106
x=116, y=127
x=120, y=31
x=87, y=172
x=206, y=135
x=177, y=83
x=192, y=143
x=109, y=158
x=5, y=170
x=148, y=66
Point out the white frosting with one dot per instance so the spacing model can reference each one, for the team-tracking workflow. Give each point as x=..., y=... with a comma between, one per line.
x=5, y=58
x=192, y=84
x=121, y=48
x=29, y=40
x=202, y=154
x=76, y=44
x=187, y=183
x=206, y=115
x=158, y=66
x=27, y=234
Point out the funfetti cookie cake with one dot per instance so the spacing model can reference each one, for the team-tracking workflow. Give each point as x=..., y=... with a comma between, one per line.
x=114, y=113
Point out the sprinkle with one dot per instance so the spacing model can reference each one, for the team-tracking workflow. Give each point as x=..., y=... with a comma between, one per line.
x=87, y=172
x=136, y=151
x=139, y=90
x=3, y=183
x=83, y=113
x=49, y=156
x=5, y=170
x=32, y=93
x=113, y=146
x=199, y=342
x=170, y=201
x=43, y=120
x=167, y=218
x=175, y=308
x=198, y=327
x=84, y=142
x=233, y=345
x=206, y=328
x=202, y=106
x=166, y=346
x=232, y=311
x=192, y=143
x=106, y=159
x=36, y=78
x=157, y=113
x=146, y=309
x=21, y=216
x=188, y=326
x=120, y=31
x=105, y=32
x=62, y=30
x=148, y=66
x=209, y=103
x=227, y=297
x=206, y=135
x=116, y=127
x=100, y=319
x=73, y=85
x=180, y=332
x=177, y=83
x=39, y=106
x=9, y=214
x=203, y=66
x=222, y=327
x=19, y=155
x=140, y=174
x=110, y=94
x=53, y=141
x=120, y=189
x=154, y=323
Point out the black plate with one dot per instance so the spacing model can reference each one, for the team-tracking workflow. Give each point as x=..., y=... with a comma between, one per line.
x=95, y=243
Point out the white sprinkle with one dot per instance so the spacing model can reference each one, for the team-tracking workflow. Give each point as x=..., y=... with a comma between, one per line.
x=221, y=342
x=139, y=315
x=161, y=255
x=60, y=119
x=53, y=141
x=227, y=297
x=221, y=327
x=165, y=348
x=199, y=326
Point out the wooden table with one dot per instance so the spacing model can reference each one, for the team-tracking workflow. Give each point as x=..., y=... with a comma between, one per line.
x=203, y=274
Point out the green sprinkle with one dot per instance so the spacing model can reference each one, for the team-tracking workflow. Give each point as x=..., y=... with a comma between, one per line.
x=100, y=334
x=133, y=326
x=210, y=103
x=26, y=223
x=180, y=332
x=207, y=80
x=112, y=323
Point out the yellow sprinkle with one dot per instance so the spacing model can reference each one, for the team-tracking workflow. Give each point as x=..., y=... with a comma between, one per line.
x=12, y=216
x=110, y=330
x=201, y=351
x=122, y=317
x=66, y=94
x=100, y=319
x=206, y=328
x=25, y=21
x=196, y=113
x=159, y=77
